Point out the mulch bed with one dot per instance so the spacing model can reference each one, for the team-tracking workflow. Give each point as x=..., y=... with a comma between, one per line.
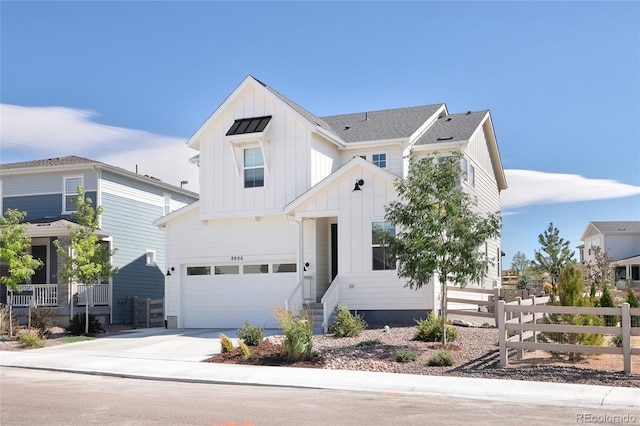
x=266, y=353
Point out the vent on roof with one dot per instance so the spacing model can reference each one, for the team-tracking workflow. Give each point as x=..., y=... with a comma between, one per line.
x=249, y=125
x=448, y=119
x=445, y=139
x=468, y=112
x=622, y=229
x=347, y=127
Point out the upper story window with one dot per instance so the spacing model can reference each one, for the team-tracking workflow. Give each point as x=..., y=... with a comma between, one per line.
x=253, y=168
x=71, y=185
x=472, y=176
x=379, y=160
x=167, y=203
x=463, y=167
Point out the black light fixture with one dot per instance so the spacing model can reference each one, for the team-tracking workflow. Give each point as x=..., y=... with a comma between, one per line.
x=359, y=183
x=170, y=270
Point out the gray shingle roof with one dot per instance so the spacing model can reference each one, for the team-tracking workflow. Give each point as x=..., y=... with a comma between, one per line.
x=618, y=227
x=381, y=125
x=367, y=126
x=453, y=127
x=60, y=161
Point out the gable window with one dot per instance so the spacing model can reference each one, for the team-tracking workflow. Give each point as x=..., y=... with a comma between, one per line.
x=71, y=185
x=463, y=167
x=150, y=258
x=382, y=260
x=379, y=160
x=253, y=168
x=472, y=176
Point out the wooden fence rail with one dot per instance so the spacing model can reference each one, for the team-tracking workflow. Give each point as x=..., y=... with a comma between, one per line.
x=148, y=312
x=523, y=315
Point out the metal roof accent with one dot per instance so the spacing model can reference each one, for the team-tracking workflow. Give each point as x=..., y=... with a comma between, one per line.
x=244, y=126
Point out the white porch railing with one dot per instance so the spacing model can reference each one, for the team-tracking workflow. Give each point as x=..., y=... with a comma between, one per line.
x=329, y=302
x=295, y=300
x=100, y=294
x=44, y=294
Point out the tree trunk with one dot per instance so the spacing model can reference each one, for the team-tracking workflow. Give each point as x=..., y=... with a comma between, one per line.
x=443, y=308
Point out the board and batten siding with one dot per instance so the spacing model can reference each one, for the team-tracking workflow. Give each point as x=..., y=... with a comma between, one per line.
x=286, y=145
x=395, y=160
x=324, y=159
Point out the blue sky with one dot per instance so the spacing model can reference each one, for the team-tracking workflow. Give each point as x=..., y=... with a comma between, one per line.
x=128, y=82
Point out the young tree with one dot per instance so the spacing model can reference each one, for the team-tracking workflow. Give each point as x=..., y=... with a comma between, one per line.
x=87, y=261
x=522, y=268
x=14, y=249
x=601, y=271
x=438, y=231
x=557, y=252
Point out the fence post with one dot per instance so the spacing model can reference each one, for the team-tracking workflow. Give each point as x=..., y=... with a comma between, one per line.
x=496, y=299
x=148, y=312
x=520, y=353
x=626, y=337
x=535, y=317
x=135, y=311
x=502, y=334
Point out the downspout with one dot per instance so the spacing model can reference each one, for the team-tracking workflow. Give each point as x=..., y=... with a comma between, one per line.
x=300, y=265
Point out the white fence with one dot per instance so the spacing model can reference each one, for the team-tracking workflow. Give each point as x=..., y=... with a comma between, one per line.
x=99, y=294
x=43, y=295
x=524, y=314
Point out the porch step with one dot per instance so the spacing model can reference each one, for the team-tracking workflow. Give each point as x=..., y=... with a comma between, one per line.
x=316, y=316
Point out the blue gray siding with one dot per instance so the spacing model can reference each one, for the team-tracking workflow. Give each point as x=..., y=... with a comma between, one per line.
x=130, y=223
x=39, y=206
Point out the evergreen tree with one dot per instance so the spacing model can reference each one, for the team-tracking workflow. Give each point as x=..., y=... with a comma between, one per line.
x=438, y=234
x=554, y=253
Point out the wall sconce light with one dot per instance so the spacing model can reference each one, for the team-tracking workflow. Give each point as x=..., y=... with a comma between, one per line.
x=359, y=183
x=170, y=270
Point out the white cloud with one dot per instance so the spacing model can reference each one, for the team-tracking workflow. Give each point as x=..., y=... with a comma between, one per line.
x=528, y=187
x=33, y=133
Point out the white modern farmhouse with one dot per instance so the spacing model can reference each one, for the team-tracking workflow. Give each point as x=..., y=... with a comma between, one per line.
x=288, y=203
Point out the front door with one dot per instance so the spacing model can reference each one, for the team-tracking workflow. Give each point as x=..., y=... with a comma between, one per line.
x=40, y=252
x=334, y=251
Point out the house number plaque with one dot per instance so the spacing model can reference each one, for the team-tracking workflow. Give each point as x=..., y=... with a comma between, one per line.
x=236, y=258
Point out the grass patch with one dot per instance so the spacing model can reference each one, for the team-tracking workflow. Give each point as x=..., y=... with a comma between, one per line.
x=73, y=339
x=366, y=343
x=441, y=359
x=405, y=355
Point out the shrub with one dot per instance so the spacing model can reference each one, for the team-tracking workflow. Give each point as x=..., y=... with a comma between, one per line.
x=42, y=319
x=547, y=287
x=226, y=343
x=347, y=324
x=632, y=300
x=405, y=355
x=441, y=359
x=607, y=302
x=369, y=343
x=250, y=334
x=246, y=352
x=31, y=339
x=617, y=340
x=298, y=335
x=430, y=330
x=76, y=325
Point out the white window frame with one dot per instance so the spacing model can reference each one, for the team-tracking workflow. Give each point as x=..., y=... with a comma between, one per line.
x=150, y=258
x=167, y=203
x=65, y=194
x=386, y=161
x=377, y=245
x=245, y=168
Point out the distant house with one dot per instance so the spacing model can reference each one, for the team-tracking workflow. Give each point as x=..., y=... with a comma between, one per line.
x=621, y=241
x=45, y=189
x=289, y=202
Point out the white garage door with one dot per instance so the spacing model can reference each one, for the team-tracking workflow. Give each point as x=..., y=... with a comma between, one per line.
x=228, y=300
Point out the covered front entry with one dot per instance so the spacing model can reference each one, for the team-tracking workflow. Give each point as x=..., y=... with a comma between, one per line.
x=320, y=255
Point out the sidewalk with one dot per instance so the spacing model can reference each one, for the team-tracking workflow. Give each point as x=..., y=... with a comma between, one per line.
x=161, y=354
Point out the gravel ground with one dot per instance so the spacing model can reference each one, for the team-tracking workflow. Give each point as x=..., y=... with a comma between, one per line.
x=475, y=350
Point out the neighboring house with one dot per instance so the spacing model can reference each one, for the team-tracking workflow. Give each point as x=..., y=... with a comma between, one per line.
x=45, y=189
x=289, y=201
x=621, y=241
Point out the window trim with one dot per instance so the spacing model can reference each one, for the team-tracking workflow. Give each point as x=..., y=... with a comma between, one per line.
x=245, y=168
x=386, y=161
x=374, y=245
x=65, y=194
x=150, y=258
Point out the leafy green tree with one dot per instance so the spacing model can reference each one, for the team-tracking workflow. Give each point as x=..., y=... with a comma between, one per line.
x=522, y=268
x=14, y=249
x=554, y=253
x=439, y=234
x=87, y=261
